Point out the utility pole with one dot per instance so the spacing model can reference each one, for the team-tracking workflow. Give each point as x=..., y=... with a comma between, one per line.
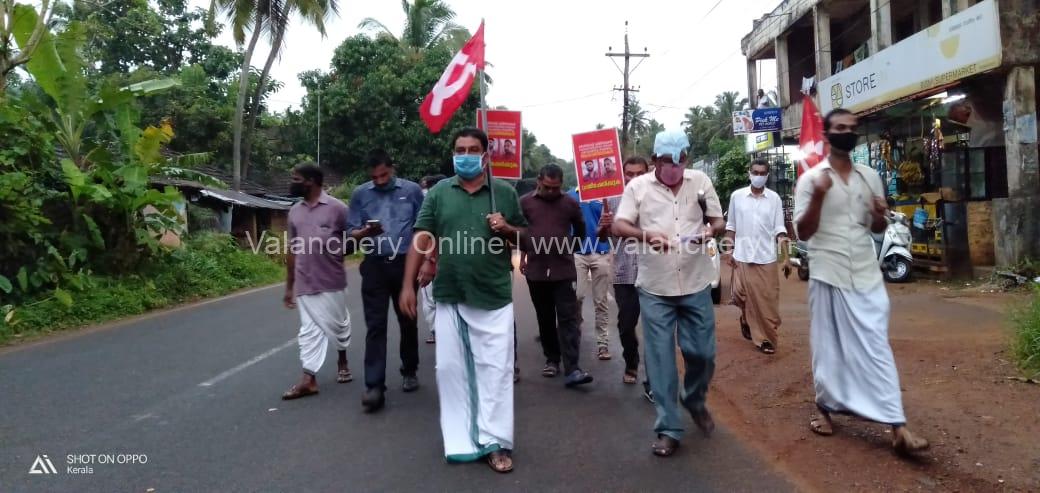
x=626, y=88
x=319, y=122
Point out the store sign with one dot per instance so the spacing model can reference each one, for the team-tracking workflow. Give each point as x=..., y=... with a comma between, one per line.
x=760, y=120
x=963, y=45
x=759, y=142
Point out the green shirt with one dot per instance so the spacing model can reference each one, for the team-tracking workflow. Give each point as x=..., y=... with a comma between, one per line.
x=473, y=265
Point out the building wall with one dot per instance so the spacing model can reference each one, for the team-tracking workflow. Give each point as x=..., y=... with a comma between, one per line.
x=1020, y=31
x=980, y=234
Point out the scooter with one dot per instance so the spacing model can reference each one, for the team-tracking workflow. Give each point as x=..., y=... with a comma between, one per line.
x=800, y=259
x=892, y=249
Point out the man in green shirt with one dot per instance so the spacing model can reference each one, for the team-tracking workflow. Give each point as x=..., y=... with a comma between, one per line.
x=469, y=244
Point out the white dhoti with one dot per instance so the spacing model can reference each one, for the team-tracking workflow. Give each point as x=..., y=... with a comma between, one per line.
x=323, y=316
x=475, y=380
x=853, y=368
x=429, y=307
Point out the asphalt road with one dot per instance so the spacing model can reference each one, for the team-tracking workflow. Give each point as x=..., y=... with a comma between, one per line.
x=195, y=392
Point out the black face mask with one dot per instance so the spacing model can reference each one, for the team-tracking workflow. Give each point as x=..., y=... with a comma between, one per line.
x=298, y=189
x=843, y=142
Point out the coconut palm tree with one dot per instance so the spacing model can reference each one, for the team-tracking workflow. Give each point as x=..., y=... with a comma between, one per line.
x=427, y=23
x=725, y=104
x=280, y=12
x=257, y=17
x=707, y=123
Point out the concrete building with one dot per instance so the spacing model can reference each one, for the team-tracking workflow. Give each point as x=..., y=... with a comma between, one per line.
x=946, y=93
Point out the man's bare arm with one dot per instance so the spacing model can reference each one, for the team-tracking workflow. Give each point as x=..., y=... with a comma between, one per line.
x=809, y=222
x=625, y=229
x=290, y=280
x=422, y=244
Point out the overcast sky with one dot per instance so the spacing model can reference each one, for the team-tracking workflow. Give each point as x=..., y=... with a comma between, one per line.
x=549, y=58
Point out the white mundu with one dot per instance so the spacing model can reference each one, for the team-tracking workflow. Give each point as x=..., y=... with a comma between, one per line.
x=853, y=367
x=323, y=316
x=475, y=379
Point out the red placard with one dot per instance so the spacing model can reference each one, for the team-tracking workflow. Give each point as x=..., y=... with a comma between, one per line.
x=504, y=143
x=597, y=162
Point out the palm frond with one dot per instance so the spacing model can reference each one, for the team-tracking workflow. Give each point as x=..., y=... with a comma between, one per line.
x=192, y=175
x=369, y=24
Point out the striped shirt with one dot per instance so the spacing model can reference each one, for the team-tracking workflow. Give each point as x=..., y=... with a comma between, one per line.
x=626, y=266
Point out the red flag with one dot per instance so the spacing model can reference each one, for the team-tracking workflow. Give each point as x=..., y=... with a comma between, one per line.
x=453, y=87
x=811, y=141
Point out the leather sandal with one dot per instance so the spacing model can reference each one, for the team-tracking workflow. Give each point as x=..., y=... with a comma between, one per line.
x=906, y=442
x=665, y=446
x=500, y=461
x=296, y=392
x=820, y=426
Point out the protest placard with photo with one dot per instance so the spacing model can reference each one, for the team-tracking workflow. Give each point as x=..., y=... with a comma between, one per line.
x=504, y=142
x=597, y=161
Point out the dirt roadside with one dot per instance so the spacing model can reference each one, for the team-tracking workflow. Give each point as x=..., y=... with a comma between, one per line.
x=951, y=349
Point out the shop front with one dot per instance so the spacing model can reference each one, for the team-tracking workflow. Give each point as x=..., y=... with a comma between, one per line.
x=930, y=113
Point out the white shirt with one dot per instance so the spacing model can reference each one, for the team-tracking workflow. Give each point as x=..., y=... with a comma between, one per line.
x=685, y=268
x=756, y=220
x=841, y=252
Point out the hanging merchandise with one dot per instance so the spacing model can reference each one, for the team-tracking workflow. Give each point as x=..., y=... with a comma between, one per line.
x=935, y=150
x=885, y=150
x=910, y=172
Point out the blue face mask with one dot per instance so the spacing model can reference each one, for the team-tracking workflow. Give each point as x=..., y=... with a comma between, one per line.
x=468, y=166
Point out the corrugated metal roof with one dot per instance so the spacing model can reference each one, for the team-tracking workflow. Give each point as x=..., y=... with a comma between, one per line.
x=244, y=199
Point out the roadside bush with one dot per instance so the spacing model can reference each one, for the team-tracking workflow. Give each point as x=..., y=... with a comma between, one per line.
x=1026, y=338
x=344, y=190
x=208, y=265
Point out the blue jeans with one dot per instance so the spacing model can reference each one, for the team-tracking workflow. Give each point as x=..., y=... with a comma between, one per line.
x=692, y=317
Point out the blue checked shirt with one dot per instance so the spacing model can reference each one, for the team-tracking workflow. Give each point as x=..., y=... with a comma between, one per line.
x=626, y=265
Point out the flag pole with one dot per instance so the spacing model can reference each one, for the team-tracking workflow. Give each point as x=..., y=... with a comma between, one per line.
x=484, y=125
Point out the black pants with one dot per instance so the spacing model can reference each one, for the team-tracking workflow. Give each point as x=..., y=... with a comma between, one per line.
x=380, y=285
x=628, y=316
x=555, y=305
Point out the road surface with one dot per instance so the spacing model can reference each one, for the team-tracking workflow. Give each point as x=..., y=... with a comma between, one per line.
x=189, y=400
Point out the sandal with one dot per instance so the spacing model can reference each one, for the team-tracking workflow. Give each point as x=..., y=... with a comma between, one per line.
x=296, y=392
x=906, y=442
x=767, y=348
x=630, y=377
x=344, y=376
x=705, y=422
x=603, y=353
x=745, y=329
x=821, y=426
x=550, y=370
x=500, y=461
x=665, y=446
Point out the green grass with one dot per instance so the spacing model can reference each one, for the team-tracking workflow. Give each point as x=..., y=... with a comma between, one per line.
x=1025, y=341
x=208, y=266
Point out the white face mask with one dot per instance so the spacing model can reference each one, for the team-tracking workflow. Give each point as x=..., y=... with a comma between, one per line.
x=758, y=181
